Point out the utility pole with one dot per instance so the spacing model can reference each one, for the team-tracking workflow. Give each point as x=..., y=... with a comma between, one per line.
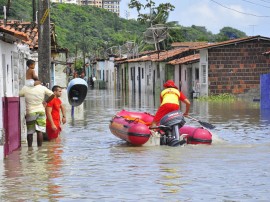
x=44, y=42
x=34, y=10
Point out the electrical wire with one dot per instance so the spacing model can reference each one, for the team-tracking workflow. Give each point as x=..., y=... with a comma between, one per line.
x=256, y=4
x=265, y=1
x=259, y=16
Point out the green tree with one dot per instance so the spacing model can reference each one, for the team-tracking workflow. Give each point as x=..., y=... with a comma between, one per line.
x=157, y=14
x=227, y=33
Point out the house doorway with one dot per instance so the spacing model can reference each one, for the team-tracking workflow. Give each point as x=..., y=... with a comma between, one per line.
x=139, y=80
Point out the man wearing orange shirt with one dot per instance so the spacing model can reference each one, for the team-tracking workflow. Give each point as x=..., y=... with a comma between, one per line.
x=53, y=123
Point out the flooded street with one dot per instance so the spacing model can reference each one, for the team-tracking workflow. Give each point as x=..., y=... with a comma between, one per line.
x=89, y=163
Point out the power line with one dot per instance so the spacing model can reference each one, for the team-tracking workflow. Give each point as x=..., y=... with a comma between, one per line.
x=265, y=1
x=256, y=4
x=259, y=16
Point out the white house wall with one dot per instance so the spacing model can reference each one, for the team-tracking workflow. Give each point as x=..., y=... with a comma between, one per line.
x=60, y=76
x=145, y=71
x=203, y=72
x=177, y=78
x=109, y=73
x=189, y=82
x=12, y=75
x=152, y=78
x=184, y=80
x=7, y=76
x=161, y=79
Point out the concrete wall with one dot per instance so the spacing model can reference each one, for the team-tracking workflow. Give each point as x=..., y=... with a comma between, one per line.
x=12, y=77
x=109, y=73
x=6, y=87
x=204, y=68
x=60, y=76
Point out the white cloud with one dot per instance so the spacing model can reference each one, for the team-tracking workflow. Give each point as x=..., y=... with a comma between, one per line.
x=215, y=17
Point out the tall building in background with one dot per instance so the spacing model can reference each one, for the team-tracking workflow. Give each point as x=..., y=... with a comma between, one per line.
x=96, y=3
x=110, y=5
x=66, y=1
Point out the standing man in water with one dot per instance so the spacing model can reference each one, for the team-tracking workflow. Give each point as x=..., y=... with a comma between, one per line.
x=53, y=123
x=35, y=111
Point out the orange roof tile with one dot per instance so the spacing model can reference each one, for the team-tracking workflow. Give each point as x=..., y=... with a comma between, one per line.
x=161, y=56
x=188, y=44
x=28, y=30
x=13, y=32
x=184, y=60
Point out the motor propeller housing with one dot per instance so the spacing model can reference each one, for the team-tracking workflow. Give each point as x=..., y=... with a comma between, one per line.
x=173, y=118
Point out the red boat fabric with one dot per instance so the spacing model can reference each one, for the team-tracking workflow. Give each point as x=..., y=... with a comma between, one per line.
x=133, y=127
x=132, y=131
x=196, y=135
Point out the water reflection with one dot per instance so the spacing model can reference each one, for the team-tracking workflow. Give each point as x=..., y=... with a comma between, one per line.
x=265, y=116
x=31, y=173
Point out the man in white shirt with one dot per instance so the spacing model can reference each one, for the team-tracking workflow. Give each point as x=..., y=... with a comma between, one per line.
x=35, y=111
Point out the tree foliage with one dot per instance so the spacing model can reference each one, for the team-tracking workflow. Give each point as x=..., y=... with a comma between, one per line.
x=92, y=30
x=157, y=14
x=227, y=33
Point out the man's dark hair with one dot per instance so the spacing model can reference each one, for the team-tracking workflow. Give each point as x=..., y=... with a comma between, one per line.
x=54, y=88
x=29, y=62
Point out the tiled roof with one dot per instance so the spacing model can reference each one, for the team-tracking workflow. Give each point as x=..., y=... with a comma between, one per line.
x=188, y=44
x=120, y=59
x=13, y=32
x=30, y=30
x=233, y=41
x=185, y=60
x=161, y=56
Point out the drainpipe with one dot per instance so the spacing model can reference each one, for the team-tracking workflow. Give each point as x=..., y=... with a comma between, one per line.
x=5, y=15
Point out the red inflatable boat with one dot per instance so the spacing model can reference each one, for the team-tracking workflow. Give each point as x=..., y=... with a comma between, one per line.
x=133, y=127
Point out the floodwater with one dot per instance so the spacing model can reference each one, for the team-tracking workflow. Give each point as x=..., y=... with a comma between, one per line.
x=88, y=163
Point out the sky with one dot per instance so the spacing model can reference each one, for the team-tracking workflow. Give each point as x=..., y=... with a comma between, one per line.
x=249, y=16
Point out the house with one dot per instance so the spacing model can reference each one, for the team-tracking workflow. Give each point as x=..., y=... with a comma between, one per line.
x=19, y=42
x=58, y=55
x=103, y=70
x=199, y=69
x=187, y=74
x=12, y=77
x=147, y=73
x=233, y=66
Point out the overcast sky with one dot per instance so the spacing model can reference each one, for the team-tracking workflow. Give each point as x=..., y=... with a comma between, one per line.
x=249, y=16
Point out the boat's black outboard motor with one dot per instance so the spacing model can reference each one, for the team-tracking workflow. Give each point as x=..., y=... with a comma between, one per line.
x=170, y=124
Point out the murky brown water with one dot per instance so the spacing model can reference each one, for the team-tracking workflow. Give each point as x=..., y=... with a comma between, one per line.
x=90, y=163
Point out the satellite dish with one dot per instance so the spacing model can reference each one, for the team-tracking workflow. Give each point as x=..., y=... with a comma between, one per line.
x=114, y=50
x=130, y=49
x=155, y=34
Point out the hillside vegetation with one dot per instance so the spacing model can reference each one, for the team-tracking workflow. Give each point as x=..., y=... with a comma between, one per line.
x=92, y=30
